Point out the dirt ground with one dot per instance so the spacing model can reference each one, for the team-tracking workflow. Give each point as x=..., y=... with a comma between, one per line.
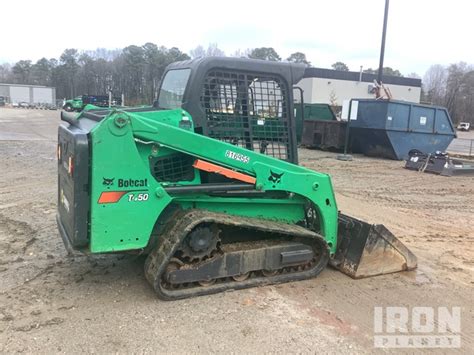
x=51, y=302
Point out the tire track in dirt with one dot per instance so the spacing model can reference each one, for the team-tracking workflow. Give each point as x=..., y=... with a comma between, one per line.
x=17, y=237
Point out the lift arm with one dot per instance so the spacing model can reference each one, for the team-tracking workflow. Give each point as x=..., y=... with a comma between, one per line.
x=268, y=173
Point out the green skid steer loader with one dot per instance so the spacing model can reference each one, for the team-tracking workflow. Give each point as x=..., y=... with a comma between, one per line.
x=206, y=183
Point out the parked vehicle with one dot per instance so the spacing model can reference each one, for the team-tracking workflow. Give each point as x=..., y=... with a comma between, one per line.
x=2, y=101
x=44, y=106
x=464, y=126
x=79, y=102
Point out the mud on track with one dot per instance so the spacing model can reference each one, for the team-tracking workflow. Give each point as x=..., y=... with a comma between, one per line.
x=52, y=302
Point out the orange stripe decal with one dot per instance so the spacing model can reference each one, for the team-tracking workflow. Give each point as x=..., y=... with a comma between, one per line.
x=111, y=196
x=213, y=168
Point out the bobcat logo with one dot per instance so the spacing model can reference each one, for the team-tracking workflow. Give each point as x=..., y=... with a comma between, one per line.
x=275, y=178
x=108, y=182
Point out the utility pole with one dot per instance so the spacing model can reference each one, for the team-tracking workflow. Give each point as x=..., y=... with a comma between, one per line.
x=345, y=156
x=382, y=48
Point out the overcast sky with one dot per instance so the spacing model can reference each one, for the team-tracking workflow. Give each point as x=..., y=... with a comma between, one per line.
x=420, y=32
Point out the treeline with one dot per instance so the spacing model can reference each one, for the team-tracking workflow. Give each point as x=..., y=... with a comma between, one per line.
x=453, y=87
x=134, y=71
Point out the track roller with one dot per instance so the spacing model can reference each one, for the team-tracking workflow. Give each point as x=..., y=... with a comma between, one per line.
x=248, y=252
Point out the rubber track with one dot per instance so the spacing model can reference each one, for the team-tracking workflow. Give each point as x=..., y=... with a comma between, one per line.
x=185, y=221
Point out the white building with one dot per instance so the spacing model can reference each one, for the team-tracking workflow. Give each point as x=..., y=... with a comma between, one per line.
x=32, y=94
x=334, y=86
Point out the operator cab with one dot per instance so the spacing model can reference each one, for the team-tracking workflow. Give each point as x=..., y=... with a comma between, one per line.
x=245, y=102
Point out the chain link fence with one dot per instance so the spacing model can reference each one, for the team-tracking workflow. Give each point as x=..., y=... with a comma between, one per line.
x=462, y=146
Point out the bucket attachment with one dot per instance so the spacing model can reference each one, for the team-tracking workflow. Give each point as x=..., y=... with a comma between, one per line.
x=369, y=249
x=438, y=163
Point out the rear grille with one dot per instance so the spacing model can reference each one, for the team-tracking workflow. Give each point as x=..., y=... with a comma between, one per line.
x=248, y=110
x=173, y=168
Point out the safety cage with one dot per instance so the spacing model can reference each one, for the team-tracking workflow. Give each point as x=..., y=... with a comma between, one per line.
x=248, y=110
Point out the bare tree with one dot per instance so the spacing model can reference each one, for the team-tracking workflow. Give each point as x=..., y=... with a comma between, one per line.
x=333, y=100
x=212, y=51
x=5, y=73
x=241, y=53
x=453, y=87
x=434, y=84
x=459, y=91
x=197, y=52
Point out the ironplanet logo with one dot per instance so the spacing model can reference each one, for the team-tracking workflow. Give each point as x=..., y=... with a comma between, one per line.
x=423, y=327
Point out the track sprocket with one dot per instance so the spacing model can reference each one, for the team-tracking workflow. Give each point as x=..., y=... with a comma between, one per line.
x=200, y=243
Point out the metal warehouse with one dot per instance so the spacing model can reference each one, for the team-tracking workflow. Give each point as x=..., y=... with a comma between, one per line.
x=335, y=86
x=32, y=94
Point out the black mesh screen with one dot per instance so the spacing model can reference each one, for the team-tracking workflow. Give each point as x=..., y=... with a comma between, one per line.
x=248, y=110
x=173, y=168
